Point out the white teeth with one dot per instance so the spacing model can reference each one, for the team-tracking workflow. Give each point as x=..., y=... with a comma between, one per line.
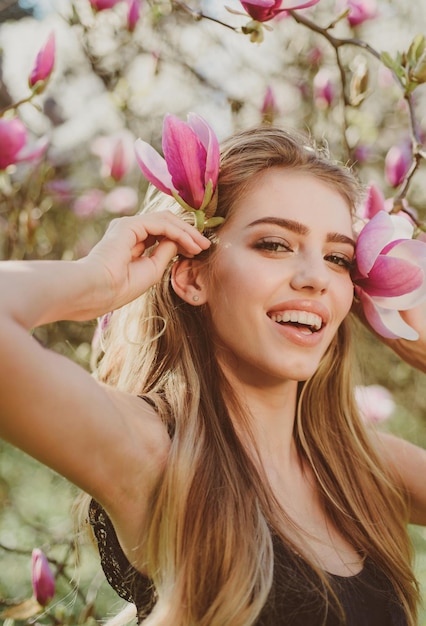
x=298, y=317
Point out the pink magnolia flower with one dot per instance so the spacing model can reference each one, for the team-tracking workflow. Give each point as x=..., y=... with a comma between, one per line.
x=190, y=167
x=116, y=153
x=361, y=11
x=133, y=14
x=265, y=10
x=44, y=62
x=269, y=108
x=389, y=275
x=101, y=5
x=324, y=88
x=375, y=202
x=397, y=163
x=14, y=143
x=43, y=580
x=121, y=201
x=89, y=203
x=375, y=403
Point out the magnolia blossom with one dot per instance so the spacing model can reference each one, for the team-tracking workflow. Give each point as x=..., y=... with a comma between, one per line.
x=44, y=62
x=360, y=11
x=390, y=273
x=43, y=580
x=116, y=153
x=190, y=167
x=324, y=88
x=121, y=201
x=375, y=202
x=100, y=5
x=265, y=10
x=133, y=14
x=269, y=107
x=397, y=163
x=375, y=403
x=14, y=143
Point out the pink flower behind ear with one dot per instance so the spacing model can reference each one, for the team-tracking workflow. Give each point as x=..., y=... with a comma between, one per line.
x=265, y=10
x=44, y=62
x=190, y=168
x=43, y=580
x=390, y=273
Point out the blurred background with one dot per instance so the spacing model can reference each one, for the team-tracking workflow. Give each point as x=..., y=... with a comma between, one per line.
x=350, y=72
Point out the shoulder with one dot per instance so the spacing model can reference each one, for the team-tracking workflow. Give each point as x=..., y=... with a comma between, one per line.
x=407, y=465
x=143, y=453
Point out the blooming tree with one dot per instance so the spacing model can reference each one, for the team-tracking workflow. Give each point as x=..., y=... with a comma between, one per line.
x=94, y=76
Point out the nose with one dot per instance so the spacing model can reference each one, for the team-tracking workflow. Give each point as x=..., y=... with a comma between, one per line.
x=311, y=274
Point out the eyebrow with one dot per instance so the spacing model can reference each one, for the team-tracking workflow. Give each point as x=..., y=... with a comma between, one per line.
x=301, y=229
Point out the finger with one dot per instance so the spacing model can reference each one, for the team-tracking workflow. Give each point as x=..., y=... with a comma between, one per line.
x=150, y=269
x=167, y=225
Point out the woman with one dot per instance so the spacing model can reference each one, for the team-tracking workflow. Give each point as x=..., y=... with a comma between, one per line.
x=233, y=482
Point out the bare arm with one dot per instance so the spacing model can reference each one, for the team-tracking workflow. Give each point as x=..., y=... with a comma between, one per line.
x=53, y=409
x=407, y=463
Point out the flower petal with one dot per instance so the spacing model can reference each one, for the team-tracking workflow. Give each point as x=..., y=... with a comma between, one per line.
x=403, y=227
x=153, y=167
x=297, y=4
x=391, y=276
x=374, y=203
x=386, y=322
x=186, y=160
x=371, y=241
x=36, y=150
x=211, y=144
x=412, y=251
x=44, y=62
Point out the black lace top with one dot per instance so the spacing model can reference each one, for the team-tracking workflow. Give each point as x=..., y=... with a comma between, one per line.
x=367, y=598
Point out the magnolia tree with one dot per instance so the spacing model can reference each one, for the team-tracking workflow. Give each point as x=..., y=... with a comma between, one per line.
x=93, y=98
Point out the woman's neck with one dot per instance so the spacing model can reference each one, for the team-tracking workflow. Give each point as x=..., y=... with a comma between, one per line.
x=270, y=413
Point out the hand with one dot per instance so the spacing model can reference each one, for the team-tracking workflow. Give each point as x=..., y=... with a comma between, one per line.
x=412, y=352
x=119, y=256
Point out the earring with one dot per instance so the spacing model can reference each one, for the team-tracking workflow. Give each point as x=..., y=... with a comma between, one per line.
x=195, y=298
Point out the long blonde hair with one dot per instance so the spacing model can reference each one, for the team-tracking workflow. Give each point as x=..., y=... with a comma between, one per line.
x=208, y=541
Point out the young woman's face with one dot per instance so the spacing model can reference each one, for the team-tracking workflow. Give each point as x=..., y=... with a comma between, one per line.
x=281, y=285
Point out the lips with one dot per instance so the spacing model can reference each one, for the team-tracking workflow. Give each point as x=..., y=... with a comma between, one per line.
x=307, y=316
x=301, y=318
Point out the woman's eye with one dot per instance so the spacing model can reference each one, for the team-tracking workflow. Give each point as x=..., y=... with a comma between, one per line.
x=273, y=245
x=340, y=260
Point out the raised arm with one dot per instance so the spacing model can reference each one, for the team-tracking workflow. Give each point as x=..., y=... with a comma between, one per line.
x=50, y=407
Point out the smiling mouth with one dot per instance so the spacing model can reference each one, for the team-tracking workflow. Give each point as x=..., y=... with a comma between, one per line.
x=309, y=322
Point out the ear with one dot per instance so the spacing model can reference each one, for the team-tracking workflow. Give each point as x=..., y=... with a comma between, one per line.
x=188, y=281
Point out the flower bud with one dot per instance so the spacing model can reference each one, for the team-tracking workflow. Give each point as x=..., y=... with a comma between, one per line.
x=360, y=11
x=324, y=89
x=397, y=163
x=269, y=107
x=133, y=14
x=43, y=580
x=44, y=63
x=418, y=73
x=101, y=5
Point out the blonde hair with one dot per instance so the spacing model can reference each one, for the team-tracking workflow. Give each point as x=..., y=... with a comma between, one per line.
x=206, y=571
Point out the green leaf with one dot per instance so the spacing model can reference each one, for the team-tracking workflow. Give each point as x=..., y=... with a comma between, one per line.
x=416, y=49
